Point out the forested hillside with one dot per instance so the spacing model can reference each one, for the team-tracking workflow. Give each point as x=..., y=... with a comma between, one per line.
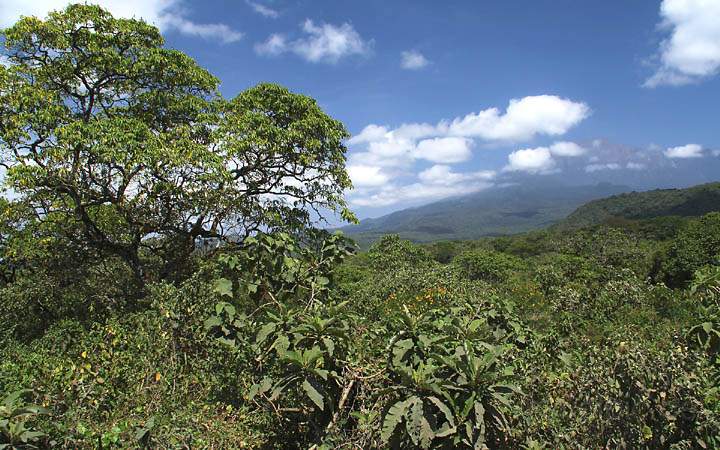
x=494, y=212
x=691, y=202
x=164, y=285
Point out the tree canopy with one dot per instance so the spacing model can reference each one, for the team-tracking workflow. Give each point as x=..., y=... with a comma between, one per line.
x=128, y=146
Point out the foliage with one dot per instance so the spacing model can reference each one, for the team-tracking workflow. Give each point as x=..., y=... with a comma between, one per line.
x=487, y=265
x=125, y=148
x=15, y=431
x=450, y=381
x=391, y=251
x=691, y=202
x=697, y=245
x=163, y=282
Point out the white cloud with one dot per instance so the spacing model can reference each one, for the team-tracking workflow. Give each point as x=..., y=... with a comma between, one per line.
x=596, y=167
x=168, y=15
x=324, y=43
x=394, y=151
x=716, y=152
x=444, y=150
x=274, y=45
x=218, y=31
x=413, y=60
x=263, y=10
x=685, y=151
x=441, y=174
x=367, y=176
x=439, y=181
x=531, y=160
x=523, y=119
x=450, y=141
x=4, y=61
x=692, y=51
x=635, y=166
x=567, y=149
x=370, y=133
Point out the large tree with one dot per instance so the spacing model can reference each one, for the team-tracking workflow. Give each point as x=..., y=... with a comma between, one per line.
x=130, y=147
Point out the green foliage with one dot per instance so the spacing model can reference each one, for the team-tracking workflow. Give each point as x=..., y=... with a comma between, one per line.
x=618, y=396
x=487, y=265
x=706, y=334
x=697, y=245
x=277, y=268
x=15, y=431
x=450, y=382
x=163, y=285
x=124, y=148
x=690, y=202
x=391, y=251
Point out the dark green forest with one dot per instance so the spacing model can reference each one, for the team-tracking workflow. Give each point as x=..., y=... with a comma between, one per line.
x=165, y=283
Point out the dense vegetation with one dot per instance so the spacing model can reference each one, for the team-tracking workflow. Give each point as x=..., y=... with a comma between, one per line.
x=693, y=201
x=163, y=284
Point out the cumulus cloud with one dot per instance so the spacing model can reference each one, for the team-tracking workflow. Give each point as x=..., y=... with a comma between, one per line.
x=413, y=60
x=567, y=149
x=168, y=15
x=450, y=141
x=325, y=43
x=263, y=10
x=691, y=52
x=394, y=151
x=531, y=160
x=447, y=150
x=685, y=151
x=203, y=30
x=524, y=119
x=541, y=160
x=367, y=176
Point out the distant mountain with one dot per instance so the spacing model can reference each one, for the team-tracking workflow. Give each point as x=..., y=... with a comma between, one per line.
x=493, y=212
x=693, y=201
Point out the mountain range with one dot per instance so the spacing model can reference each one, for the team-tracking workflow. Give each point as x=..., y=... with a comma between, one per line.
x=496, y=211
x=524, y=207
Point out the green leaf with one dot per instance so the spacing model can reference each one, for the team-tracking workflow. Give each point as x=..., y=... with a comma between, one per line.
x=265, y=332
x=479, y=424
x=212, y=322
x=310, y=356
x=444, y=409
x=330, y=345
x=418, y=427
x=392, y=419
x=223, y=286
x=314, y=395
x=259, y=388
x=10, y=399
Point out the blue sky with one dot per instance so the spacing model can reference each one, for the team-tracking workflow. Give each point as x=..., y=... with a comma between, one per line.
x=602, y=90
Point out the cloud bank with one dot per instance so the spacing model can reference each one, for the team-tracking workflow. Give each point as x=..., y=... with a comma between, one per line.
x=168, y=15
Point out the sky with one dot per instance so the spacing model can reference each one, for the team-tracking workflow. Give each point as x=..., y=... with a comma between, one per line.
x=448, y=98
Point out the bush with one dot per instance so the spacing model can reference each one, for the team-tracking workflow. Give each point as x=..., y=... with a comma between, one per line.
x=487, y=265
